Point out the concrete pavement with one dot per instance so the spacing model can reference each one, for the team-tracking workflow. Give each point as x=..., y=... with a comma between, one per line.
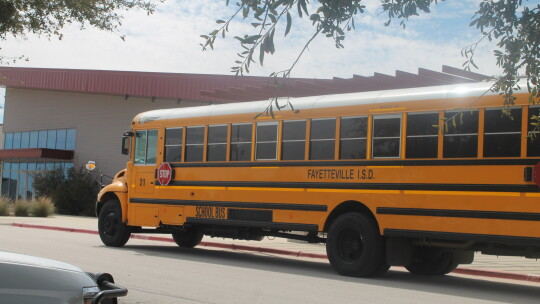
x=517, y=268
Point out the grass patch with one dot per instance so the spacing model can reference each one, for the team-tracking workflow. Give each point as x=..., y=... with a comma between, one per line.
x=21, y=208
x=42, y=207
x=5, y=206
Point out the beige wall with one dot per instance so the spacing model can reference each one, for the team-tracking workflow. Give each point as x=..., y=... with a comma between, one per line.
x=100, y=120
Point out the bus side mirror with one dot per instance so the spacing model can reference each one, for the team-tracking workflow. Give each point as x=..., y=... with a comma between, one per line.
x=125, y=145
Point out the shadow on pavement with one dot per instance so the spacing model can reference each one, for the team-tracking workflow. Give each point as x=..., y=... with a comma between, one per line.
x=473, y=288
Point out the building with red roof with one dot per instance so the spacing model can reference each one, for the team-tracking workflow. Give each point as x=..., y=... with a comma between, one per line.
x=60, y=118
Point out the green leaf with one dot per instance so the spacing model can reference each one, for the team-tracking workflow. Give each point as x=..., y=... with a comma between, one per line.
x=261, y=54
x=289, y=23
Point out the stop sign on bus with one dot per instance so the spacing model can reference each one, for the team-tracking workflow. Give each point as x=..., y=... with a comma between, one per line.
x=164, y=174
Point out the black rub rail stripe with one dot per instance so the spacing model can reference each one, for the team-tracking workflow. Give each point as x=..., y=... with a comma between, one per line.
x=268, y=225
x=502, y=239
x=413, y=162
x=498, y=215
x=252, y=205
x=369, y=186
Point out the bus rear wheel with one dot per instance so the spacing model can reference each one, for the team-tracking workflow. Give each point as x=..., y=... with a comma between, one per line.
x=432, y=261
x=187, y=239
x=355, y=247
x=112, y=231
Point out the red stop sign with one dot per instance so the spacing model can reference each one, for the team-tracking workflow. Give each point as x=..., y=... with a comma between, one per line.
x=164, y=174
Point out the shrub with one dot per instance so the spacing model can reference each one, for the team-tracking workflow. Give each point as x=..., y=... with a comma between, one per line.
x=42, y=207
x=73, y=193
x=4, y=206
x=21, y=208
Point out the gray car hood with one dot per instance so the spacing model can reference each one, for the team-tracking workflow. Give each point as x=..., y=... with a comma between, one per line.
x=21, y=259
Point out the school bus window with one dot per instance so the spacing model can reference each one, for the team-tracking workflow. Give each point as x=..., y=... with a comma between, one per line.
x=533, y=140
x=241, y=142
x=266, y=148
x=194, y=144
x=173, y=144
x=502, y=133
x=323, y=134
x=386, y=136
x=293, y=144
x=461, y=137
x=140, y=147
x=145, y=147
x=151, y=151
x=422, y=138
x=353, y=141
x=217, y=143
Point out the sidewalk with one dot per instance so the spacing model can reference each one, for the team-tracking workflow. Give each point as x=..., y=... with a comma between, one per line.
x=491, y=266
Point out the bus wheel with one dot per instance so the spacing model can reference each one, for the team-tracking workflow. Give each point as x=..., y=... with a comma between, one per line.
x=432, y=261
x=112, y=231
x=188, y=239
x=355, y=247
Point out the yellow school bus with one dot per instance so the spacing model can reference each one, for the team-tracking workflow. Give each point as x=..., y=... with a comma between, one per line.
x=370, y=174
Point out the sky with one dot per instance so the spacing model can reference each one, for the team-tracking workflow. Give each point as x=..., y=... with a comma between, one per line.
x=169, y=41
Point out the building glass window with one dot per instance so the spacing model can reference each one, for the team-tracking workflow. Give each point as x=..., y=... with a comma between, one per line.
x=461, y=137
x=18, y=177
x=353, y=141
x=266, y=148
x=8, y=141
x=422, y=135
x=25, y=140
x=173, y=144
x=33, y=139
x=386, y=136
x=17, y=140
x=323, y=134
x=217, y=143
x=51, y=139
x=61, y=139
x=293, y=145
x=241, y=142
x=42, y=141
x=71, y=136
x=194, y=144
x=6, y=167
x=502, y=133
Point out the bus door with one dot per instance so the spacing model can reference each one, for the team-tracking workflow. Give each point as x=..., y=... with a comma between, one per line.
x=142, y=179
x=144, y=163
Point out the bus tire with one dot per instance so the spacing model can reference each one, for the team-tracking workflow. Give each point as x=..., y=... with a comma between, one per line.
x=432, y=261
x=112, y=231
x=354, y=246
x=188, y=239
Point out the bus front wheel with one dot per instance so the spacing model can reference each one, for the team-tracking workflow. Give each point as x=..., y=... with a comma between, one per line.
x=355, y=247
x=432, y=261
x=112, y=231
x=188, y=239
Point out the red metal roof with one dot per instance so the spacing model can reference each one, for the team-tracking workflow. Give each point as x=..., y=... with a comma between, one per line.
x=36, y=153
x=205, y=87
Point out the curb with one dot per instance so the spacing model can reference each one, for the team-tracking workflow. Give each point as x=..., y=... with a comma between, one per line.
x=465, y=271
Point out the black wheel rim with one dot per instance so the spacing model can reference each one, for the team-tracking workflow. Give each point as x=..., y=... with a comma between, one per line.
x=350, y=245
x=110, y=224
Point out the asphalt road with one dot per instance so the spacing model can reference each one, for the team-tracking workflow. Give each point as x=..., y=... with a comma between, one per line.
x=157, y=272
